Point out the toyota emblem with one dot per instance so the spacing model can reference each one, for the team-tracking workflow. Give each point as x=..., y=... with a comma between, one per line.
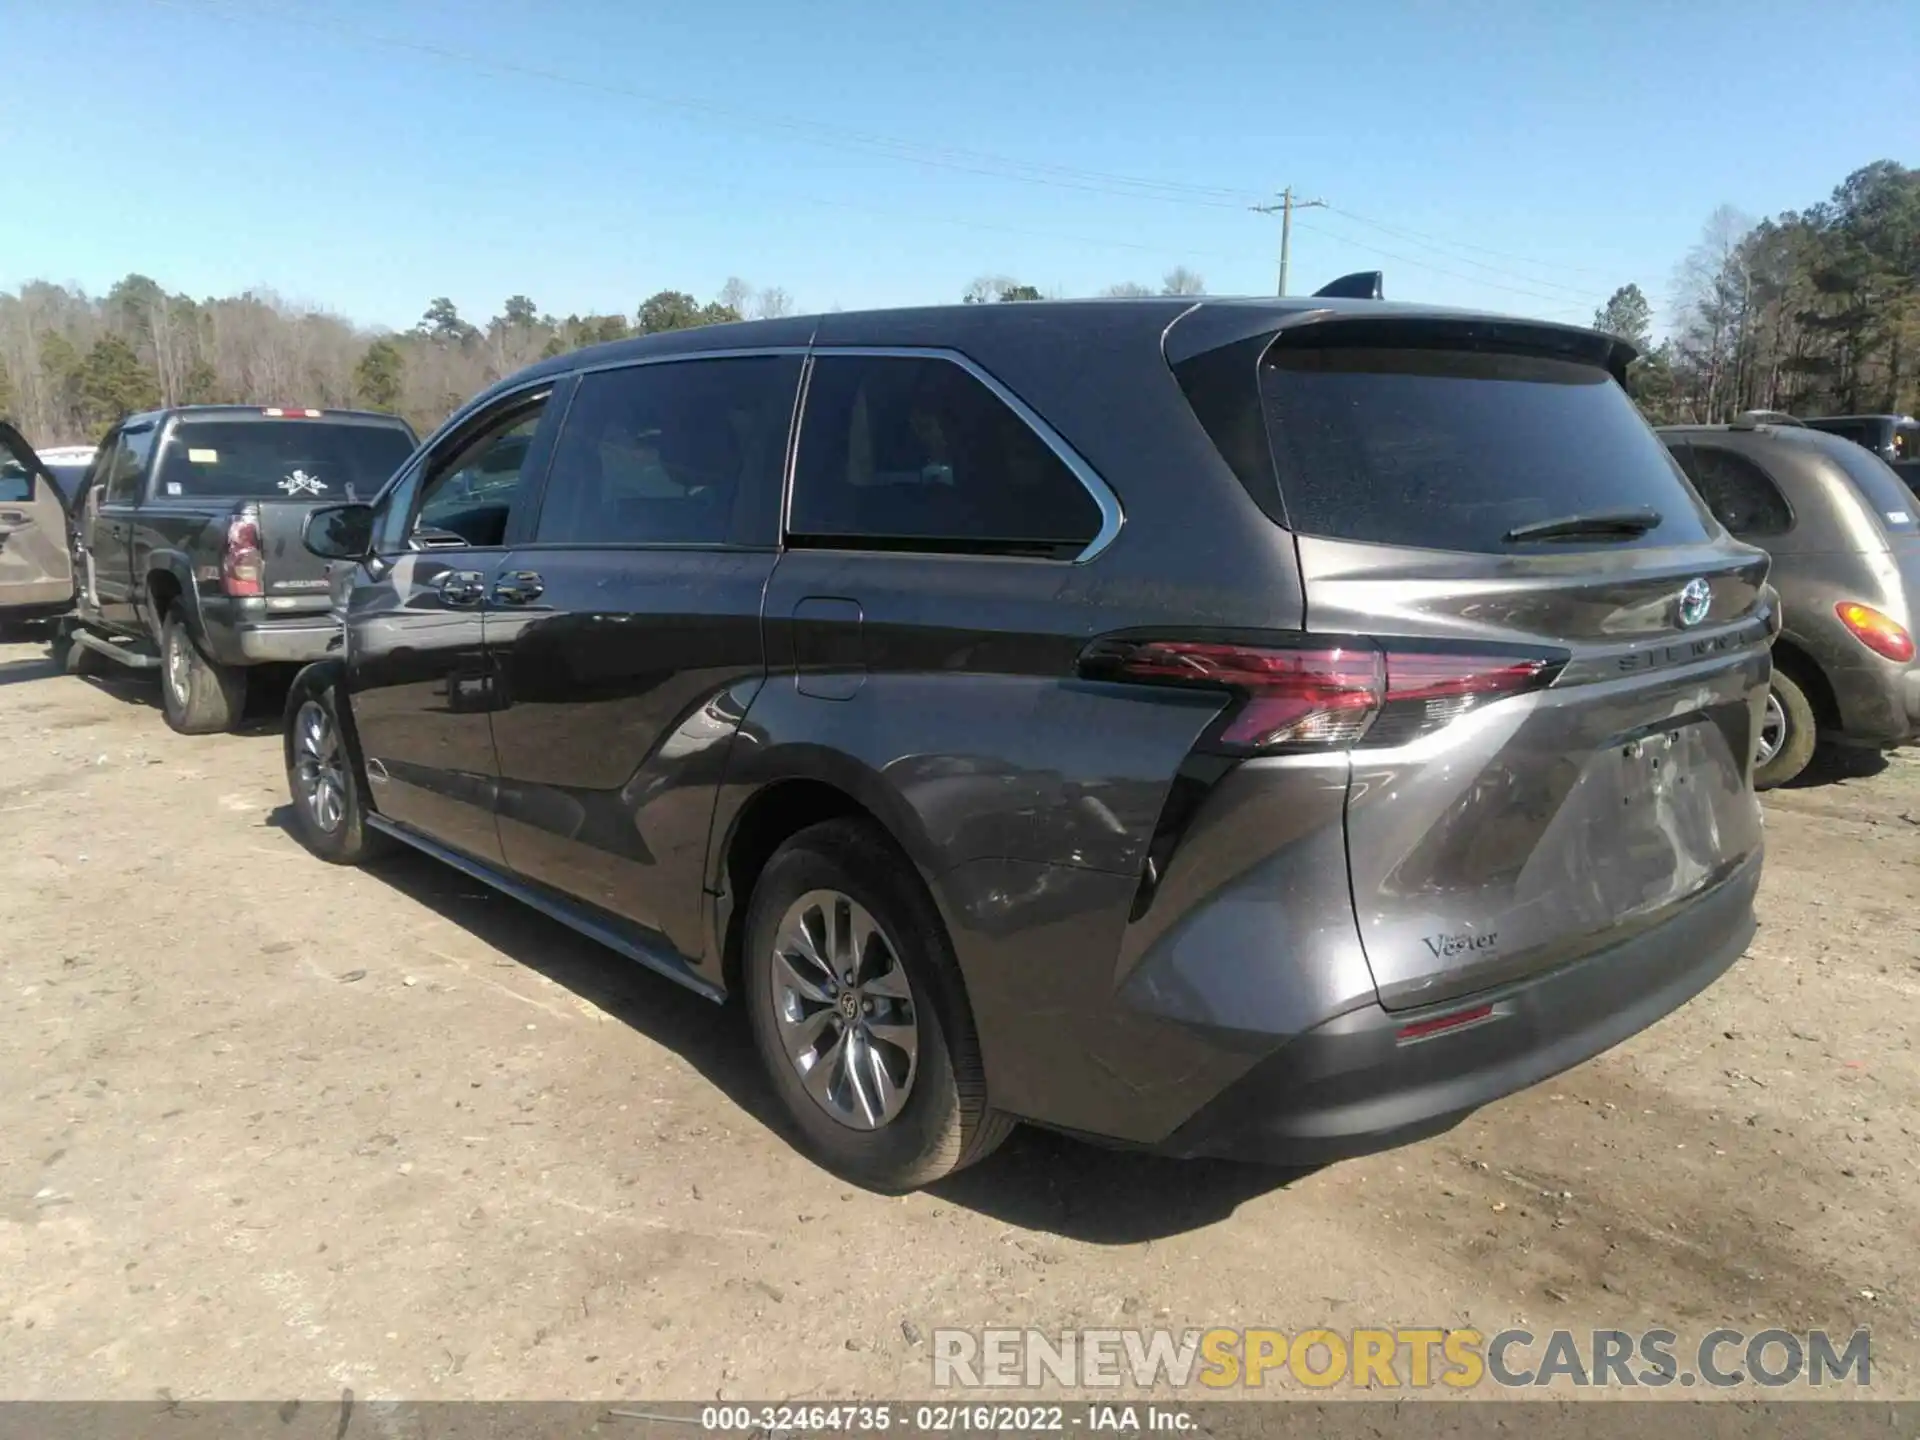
x=1696, y=598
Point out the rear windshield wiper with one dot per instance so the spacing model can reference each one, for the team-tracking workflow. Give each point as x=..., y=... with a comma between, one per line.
x=1600, y=525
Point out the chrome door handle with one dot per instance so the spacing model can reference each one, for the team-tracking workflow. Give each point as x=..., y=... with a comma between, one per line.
x=462, y=587
x=518, y=587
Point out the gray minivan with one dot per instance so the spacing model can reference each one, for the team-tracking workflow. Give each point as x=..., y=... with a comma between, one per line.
x=1264, y=728
x=1844, y=533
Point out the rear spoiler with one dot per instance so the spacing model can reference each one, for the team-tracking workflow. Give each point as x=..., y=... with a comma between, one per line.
x=1219, y=327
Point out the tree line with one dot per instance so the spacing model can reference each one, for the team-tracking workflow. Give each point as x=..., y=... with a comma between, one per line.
x=72, y=364
x=1811, y=312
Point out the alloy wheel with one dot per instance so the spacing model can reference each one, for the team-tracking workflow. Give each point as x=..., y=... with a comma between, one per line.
x=1773, y=730
x=844, y=1009
x=319, y=771
x=179, y=673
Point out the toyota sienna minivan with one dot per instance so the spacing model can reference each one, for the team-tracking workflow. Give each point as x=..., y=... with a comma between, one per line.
x=1267, y=729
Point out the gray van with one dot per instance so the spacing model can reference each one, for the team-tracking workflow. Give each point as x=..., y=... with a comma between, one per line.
x=1844, y=534
x=1267, y=728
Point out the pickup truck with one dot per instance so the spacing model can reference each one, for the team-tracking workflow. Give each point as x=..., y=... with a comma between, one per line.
x=188, y=550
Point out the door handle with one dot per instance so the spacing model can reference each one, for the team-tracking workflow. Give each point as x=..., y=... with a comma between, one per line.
x=461, y=587
x=518, y=587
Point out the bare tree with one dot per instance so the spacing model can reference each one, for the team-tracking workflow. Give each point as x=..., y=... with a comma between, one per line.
x=1128, y=290
x=1182, y=281
x=736, y=295
x=771, y=303
x=1712, y=298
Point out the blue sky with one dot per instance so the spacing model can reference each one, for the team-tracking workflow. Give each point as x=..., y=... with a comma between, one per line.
x=368, y=155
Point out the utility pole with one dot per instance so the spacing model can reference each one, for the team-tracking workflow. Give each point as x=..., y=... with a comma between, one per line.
x=1285, y=209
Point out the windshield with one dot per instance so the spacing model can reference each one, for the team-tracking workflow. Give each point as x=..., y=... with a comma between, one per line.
x=1453, y=450
x=1906, y=441
x=278, y=459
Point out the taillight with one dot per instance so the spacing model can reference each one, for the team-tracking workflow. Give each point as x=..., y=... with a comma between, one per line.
x=242, y=566
x=1323, y=696
x=1427, y=689
x=1881, y=634
x=282, y=412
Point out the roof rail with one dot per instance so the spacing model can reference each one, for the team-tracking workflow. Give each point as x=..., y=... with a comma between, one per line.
x=1361, y=285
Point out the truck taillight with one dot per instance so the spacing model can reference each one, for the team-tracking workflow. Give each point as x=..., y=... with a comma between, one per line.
x=1329, y=695
x=242, y=566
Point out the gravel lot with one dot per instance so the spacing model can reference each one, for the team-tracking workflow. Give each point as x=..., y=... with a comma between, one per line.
x=274, y=1129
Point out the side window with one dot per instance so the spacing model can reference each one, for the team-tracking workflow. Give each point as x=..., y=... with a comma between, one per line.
x=917, y=454
x=1739, y=493
x=685, y=452
x=468, y=491
x=127, y=466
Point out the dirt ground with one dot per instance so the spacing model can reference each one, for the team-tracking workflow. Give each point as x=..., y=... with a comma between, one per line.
x=273, y=1129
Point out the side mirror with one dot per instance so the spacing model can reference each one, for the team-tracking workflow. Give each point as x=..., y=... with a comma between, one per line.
x=340, y=532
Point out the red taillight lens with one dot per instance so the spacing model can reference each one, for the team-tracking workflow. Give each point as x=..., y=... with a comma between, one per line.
x=1881, y=634
x=1317, y=697
x=242, y=566
x=1324, y=696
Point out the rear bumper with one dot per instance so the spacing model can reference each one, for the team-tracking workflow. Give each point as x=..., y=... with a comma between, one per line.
x=237, y=636
x=269, y=644
x=1350, y=1085
x=1879, y=703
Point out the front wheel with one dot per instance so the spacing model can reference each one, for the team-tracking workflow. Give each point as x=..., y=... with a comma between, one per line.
x=1788, y=734
x=197, y=696
x=329, y=810
x=859, y=1014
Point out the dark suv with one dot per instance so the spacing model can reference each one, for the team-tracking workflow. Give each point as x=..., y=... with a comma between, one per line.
x=1268, y=729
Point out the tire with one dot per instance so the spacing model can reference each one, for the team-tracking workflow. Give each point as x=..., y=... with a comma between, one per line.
x=197, y=696
x=1801, y=735
x=339, y=833
x=908, y=981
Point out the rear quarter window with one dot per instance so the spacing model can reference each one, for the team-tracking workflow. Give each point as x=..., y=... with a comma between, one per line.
x=1452, y=449
x=1892, y=503
x=916, y=453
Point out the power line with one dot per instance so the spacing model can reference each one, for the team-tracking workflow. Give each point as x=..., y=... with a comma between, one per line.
x=964, y=161
x=1557, y=300
x=1003, y=167
x=1441, y=245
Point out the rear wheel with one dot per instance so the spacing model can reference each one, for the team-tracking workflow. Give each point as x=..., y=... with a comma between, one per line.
x=859, y=1014
x=197, y=696
x=1788, y=734
x=330, y=811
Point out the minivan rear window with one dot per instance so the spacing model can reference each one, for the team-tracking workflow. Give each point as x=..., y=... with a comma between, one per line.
x=1451, y=449
x=278, y=460
x=1893, y=504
